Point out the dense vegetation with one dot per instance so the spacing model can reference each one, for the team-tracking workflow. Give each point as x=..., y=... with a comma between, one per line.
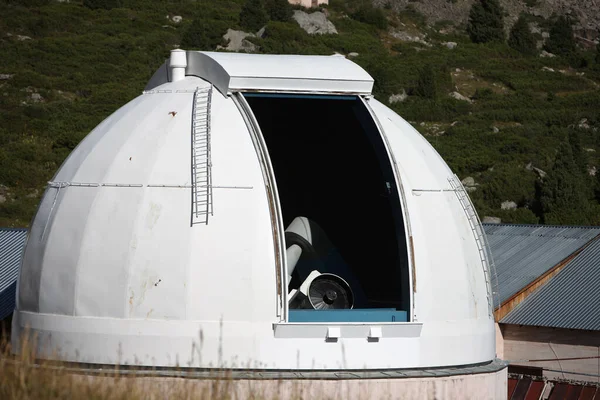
x=528, y=135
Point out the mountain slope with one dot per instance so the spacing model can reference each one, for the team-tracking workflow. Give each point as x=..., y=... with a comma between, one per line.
x=495, y=115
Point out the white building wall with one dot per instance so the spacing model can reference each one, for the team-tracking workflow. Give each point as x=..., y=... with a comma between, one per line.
x=487, y=386
x=523, y=343
x=309, y=3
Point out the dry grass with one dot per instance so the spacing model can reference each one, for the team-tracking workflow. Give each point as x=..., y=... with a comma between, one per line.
x=467, y=83
x=25, y=376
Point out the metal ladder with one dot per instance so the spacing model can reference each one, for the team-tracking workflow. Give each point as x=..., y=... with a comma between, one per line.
x=480, y=238
x=202, y=201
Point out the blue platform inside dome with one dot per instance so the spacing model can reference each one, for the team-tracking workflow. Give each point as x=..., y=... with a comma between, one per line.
x=352, y=315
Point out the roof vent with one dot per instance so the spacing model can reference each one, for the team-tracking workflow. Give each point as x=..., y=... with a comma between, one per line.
x=178, y=63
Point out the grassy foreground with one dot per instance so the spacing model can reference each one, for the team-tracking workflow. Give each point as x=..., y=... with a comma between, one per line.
x=24, y=377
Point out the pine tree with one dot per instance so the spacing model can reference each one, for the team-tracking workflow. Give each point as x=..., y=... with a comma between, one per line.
x=486, y=22
x=561, y=41
x=564, y=197
x=521, y=38
x=426, y=83
x=580, y=157
x=279, y=10
x=195, y=37
x=253, y=15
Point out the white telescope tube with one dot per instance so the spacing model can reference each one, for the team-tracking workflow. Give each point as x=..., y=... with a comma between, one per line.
x=301, y=227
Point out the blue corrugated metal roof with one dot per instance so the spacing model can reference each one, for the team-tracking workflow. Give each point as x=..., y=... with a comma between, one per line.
x=569, y=300
x=12, y=242
x=522, y=253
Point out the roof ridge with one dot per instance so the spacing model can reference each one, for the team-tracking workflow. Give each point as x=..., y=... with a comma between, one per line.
x=591, y=227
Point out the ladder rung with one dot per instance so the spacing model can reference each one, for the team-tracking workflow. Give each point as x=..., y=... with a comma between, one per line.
x=201, y=164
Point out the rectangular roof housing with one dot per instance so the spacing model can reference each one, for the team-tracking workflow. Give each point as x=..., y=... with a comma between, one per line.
x=232, y=72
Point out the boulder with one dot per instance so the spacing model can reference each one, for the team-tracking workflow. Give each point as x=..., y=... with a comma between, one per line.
x=352, y=54
x=458, y=96
x=450, y=45
x=468, y=181
x=491, y=220
x=545, y=54
x=407, y=37
x=530, y=167
x=4, y=195
x=508, y=205
x=236, y=41
x=541, y=173
x=314, y=23
x=177, y=19
x=592, y=171
x=583, y=124
x=398, y=97
x=5, y=77
x=36, y=97
x=470, y=184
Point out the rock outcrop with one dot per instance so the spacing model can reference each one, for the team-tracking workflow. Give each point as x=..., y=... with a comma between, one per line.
x=458, y=96
x=491, y=220
x=236, y=41
x=314, y=23
x=398, y=97
x=508, y=205
x=586, y=13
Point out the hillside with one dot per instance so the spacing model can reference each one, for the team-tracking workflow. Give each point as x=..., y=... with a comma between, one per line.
x=520, y=130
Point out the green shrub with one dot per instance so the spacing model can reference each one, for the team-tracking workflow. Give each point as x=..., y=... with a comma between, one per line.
x=253, y=15
x=203, y=34
x=563, y=196
x=518, y=216
x=561, y=41
x=483, y=93
x=370, y=15
x=102, y=4
x=521, y=38
x=30, y=3
x=486, y=22
x=279, y=10
x=426, y=84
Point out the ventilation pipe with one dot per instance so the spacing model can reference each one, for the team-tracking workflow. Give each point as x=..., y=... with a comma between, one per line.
x=178, y=63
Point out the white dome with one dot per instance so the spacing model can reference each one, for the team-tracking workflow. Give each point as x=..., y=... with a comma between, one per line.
x=121, y=266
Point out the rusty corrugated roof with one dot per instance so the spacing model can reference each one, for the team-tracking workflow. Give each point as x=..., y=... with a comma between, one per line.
x=526, y=388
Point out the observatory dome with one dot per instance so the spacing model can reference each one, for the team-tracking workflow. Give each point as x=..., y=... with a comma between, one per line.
x=257, y=211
